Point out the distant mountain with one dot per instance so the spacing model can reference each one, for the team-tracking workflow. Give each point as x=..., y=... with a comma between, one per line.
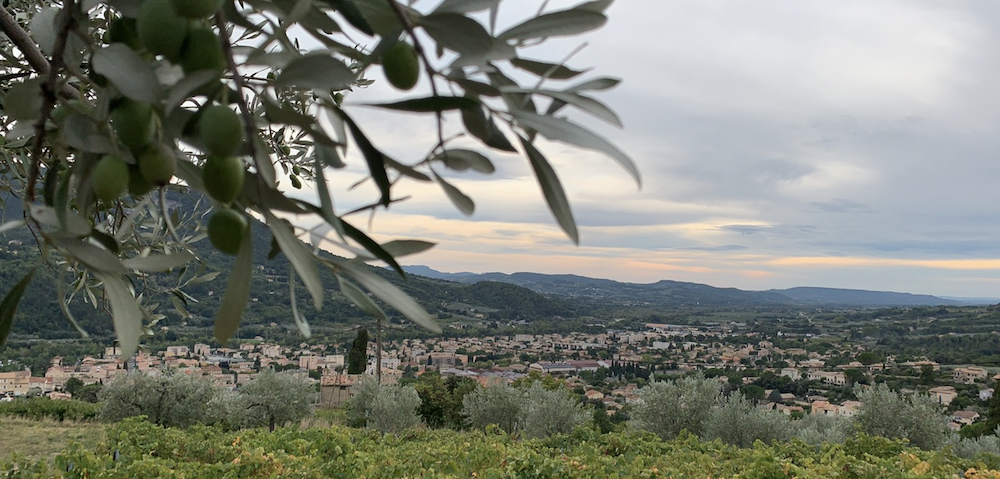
x=677, y=293
x=661, y=293
x=431, y=273
x=38, y=312
x=857, y=297
x=973, y=301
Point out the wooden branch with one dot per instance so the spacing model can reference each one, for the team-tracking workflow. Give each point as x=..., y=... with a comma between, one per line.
x=23, y=42
x=49, y=93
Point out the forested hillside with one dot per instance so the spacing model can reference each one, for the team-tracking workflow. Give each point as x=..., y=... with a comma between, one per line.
x=39, y=314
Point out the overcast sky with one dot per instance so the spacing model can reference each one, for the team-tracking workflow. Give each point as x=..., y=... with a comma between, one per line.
x=849, y=144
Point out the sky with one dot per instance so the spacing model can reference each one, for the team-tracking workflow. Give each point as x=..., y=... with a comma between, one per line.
x=849, y=144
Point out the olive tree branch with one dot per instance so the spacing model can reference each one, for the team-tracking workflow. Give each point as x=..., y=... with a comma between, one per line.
x=66, y=23
x=23, y=41
x=248, y=123
x=431, y=73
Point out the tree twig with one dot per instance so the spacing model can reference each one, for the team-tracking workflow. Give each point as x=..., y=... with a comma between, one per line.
x=23, y=41
x=66, y=23
x=248, y=123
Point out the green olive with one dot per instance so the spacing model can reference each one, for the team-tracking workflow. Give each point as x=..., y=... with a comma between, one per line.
x=221, y=131
x=109, y=178
x=197, y=8
x=223, y=177
x=157, y=164
x=202, y=51
x=401, y=66
x=226, y=229
x=134, y=124
x=160, y=29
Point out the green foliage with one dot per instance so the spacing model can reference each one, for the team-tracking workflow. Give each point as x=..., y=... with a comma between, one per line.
x=104, y=80
x=45, y=408
x=138, y=449
x=889, y=414
x=357, y=358
x=73, y=386
x=441, y=399
x=993, y=412
x=666, y=408
x=816, y=429
x=550, y=412
x=496, y=405
x=383, y=408
x=976, y=447
x=270, y=400
x=736, y=421
x=176, y=399
x=753, y=393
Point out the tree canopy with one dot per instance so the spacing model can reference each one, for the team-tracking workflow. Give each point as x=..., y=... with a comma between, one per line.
x=111, y=108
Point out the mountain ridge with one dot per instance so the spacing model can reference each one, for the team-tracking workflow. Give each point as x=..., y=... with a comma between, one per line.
x=670, y=291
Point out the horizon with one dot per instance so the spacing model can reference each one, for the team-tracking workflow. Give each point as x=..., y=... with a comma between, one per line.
x=780, y=145
x=941, y=296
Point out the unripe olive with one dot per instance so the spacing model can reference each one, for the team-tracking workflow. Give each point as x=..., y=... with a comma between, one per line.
x=123, y=30
x=221, y=131
x=109, y=178
x=197, y=8
x=137, y=185
x=223, y=177
x=134, y=124
x=202, y=51
x=225, y=230
x=161, y=30
x=401, y=66
x=157, y=164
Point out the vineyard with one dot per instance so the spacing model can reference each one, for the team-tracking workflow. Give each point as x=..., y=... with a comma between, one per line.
x=138, y=449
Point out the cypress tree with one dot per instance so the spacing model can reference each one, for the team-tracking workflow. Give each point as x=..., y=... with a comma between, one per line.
x=993, y=413
x=357, y=358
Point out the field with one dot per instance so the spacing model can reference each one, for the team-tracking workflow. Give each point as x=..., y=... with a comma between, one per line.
x=41, y=440
x=136, y=449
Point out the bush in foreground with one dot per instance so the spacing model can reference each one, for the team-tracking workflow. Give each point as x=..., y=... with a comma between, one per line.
x=384, y=408
x=890, y=414
x=665, y=408
x=738, y=422
x=45, y=408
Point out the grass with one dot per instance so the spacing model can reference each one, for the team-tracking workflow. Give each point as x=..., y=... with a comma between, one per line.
x=43, y=439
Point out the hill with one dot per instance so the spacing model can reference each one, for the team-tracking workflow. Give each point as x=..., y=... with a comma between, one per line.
x=833, y=296
x=39, y=313
x=678, y=293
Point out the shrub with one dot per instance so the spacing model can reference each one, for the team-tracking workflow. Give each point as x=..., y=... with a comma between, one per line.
x=736, y=421
x=816, y=429
x=889, y=414
x=972, y=448
x=176, y=399
x=383, y=408
x=499, y=404
x=271, y=399
x=45, y=408
x=667, y=408
x=547, y=413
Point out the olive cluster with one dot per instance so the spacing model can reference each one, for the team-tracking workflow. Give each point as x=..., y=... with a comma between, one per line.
x=180, y=32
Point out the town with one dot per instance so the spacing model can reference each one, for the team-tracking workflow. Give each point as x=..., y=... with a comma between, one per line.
x=605, y=368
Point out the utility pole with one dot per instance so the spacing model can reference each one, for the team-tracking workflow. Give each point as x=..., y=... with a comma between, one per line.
x=378, y=350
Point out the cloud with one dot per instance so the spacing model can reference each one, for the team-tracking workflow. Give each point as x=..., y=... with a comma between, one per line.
x=781, y=144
